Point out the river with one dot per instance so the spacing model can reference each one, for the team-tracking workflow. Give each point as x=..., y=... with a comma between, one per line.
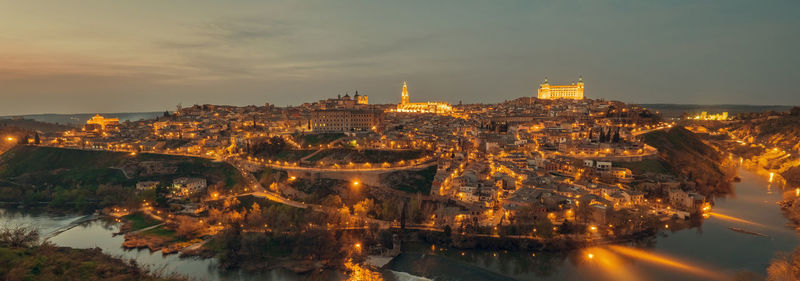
x=702, y=253
x=99, y=233
x=706, y=252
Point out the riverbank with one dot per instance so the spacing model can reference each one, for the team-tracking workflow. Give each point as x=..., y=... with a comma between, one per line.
x=710, y=245
x=48, y=262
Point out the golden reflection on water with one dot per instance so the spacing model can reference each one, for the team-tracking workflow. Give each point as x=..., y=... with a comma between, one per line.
x=734, y=219
x=609, y=261
x=360, y=273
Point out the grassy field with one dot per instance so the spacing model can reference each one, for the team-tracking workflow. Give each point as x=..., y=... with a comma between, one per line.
x=290, y=155
x=168, y=235
x=139, y=221
x=366, y=156
x=316, y=139
x=411, y=181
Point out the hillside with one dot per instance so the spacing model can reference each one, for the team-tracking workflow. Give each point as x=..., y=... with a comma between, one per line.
x=80, y=118
x=689, y=157
x=675, y=110
x=780, y=135
x=775, y=131
x=30, y=174
x=33, y=125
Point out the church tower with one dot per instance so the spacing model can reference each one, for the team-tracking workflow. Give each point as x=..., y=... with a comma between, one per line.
x=404, y=94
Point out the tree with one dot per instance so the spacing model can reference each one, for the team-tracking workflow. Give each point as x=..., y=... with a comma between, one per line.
x=232, y=240
x=785, y=267
x=543, y=227
x=362, y=208
x=254, y=217
x=19, y=236
x=403, y=215
x=187, y=227
x=332, y=201
x=584, y=211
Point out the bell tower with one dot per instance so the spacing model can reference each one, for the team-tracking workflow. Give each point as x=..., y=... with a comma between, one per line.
x=404, y=94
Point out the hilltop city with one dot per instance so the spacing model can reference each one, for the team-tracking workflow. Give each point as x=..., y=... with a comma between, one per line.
x=555, y=171
x=557, y=156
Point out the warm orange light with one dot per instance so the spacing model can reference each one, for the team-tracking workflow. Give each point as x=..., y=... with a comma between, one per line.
x=356, y=183
x=730, y=218
x=667, y=261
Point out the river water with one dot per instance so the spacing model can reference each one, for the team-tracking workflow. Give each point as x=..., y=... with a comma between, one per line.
x=711, y=251
x=702, y=253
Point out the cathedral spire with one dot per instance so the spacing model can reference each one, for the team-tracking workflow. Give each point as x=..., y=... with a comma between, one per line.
x=404, y=94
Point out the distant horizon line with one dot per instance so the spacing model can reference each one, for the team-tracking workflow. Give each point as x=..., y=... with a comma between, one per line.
x=160, y=111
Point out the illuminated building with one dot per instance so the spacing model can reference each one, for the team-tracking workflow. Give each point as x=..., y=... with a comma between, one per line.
x=710, y=117
x=345, y=120
x=573, y=91
x=100, y=123
x=361, y=99
x=357, y=101
x=188, y=186
x=420, y=107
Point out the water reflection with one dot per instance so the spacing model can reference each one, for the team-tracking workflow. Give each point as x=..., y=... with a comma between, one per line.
x=711, y=251
x=712, y=242
x=99, y=233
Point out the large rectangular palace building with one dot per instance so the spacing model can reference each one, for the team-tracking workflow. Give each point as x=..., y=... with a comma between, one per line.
x=552, y=92
x=345, y=120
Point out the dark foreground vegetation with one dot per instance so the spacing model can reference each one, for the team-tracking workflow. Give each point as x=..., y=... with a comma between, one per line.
x=23, y=258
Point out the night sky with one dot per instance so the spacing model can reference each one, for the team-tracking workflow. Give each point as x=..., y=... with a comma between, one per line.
x=115, y=56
